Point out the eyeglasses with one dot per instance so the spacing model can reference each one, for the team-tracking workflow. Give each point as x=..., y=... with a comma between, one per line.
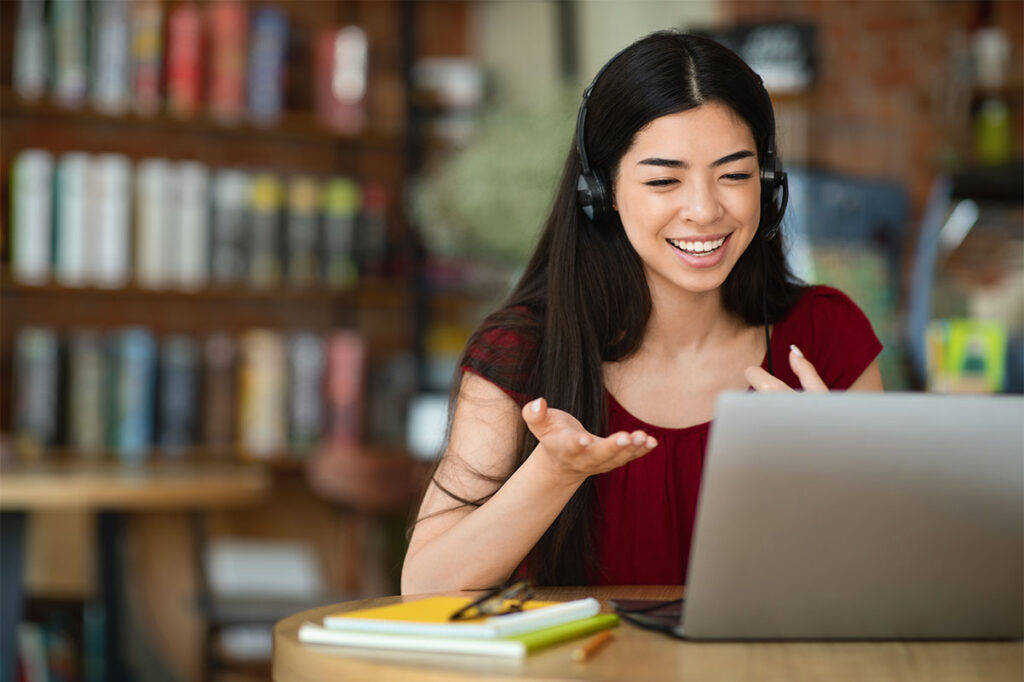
x=497, y=601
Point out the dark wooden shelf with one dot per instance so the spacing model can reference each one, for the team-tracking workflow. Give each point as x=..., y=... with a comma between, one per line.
x=294, y=127
x=373, y=292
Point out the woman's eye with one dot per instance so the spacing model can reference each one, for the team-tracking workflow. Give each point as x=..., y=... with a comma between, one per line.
x=737, y=176
x=661, y=183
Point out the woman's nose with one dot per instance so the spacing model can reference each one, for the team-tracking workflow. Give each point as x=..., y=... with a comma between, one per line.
x=700, y=204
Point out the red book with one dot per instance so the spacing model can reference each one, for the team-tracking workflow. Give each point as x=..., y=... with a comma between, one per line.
x=184, y=53
x=227, y=26
x=346, y=372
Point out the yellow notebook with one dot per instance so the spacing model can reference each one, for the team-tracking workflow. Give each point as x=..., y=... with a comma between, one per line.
x=429, y=616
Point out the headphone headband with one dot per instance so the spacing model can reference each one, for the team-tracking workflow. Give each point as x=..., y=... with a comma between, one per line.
x=593, y=191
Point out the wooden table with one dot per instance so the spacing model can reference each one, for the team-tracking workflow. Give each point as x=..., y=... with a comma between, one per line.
x=638, y=654
x=111, y=489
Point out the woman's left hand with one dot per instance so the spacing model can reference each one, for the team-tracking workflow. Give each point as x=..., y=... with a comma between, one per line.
x=802, y=367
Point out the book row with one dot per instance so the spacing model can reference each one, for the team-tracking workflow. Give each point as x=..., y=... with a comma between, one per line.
x=100, y=220
x=262, y=394
x=224, y=57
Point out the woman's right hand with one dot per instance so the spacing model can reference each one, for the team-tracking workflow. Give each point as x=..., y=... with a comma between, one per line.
x=574, y=452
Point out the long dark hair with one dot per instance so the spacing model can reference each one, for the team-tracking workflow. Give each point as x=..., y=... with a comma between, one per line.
x=584, y=300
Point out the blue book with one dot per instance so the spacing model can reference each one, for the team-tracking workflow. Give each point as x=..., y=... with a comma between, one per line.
x=133, y=393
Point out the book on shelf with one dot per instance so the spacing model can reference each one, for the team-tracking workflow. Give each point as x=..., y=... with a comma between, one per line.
x=70, y=67
x=109, y=229
x=31, y=50
x=111, y=34
x=227, y=30
x=423, y=625
x=306, y=360
x=302, y=232
x=228, y=244
x=36, y=401
x=193, y=228
x=71, y=238
x=268, y=48
x=346, y=387
x=341, y=56
x=220, y=372
x=147, y=55
x=341, y=202
x=184, y=43
x=31, y=216
x=263, y=385
x=87, y=393
x=177, y=401
x=132, y=393
x=154, y=192
x=265, y=231
x=372, y=240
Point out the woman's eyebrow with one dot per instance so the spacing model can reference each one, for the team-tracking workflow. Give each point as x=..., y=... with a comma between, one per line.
x=677, y=163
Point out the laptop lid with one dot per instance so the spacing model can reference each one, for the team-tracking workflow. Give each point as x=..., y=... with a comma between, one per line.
x=860, y=516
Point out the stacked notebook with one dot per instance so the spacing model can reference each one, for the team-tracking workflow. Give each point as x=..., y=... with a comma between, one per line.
x=424, y=626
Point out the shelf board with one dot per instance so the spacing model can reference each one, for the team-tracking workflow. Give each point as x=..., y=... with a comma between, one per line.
x=300, y=127
x=379, y=292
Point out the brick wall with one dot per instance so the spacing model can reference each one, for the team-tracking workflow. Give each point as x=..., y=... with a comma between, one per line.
x=883, y=104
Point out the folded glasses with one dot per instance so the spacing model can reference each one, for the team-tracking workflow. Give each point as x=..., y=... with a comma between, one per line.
x=497, y=601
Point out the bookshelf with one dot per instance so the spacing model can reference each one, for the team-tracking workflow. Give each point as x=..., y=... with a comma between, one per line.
x=382, y=305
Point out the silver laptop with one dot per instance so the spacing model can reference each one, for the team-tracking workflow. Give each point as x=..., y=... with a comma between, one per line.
x=860, y=516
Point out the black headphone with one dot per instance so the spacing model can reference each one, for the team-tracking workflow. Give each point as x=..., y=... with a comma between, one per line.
x=593, y=190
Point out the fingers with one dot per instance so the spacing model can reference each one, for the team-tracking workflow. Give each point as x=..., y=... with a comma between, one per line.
x=804, y=370
x=761, y=380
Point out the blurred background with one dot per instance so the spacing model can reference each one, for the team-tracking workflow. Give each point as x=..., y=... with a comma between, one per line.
x=244, y=243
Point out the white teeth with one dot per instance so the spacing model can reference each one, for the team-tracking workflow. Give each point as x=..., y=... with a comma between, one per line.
x=697, y=247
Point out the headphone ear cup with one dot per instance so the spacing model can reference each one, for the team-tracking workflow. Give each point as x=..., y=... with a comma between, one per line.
x=593, y=196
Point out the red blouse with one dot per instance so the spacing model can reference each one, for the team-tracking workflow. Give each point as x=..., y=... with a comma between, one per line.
x=646, y=509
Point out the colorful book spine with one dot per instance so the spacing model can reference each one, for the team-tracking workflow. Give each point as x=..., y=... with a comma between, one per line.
x=267, y=54
x=133, y=393
x=110, y=217
x=184, y=53
x=303, y=232
x=153, y=187
x=220, y=376
x=373, y=239
x=147, y=54
x=341, y=199
x=87, y=393
x=31, y=47
x=31, y=216
x=70, y=70
x=36, y=366
x=194, y=226
x=227, y=27
x=306, y=361
x=345, y=386
x=229, y=244
x=263, y=385
x=340, y=71
x=177, y=402
x=110, y=56
x=265, y=231
x=70, y=226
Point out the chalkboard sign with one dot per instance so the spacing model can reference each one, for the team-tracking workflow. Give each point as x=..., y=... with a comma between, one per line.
x=783, y=54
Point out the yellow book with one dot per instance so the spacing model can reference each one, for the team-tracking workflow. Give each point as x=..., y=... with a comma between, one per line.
x=430, y=616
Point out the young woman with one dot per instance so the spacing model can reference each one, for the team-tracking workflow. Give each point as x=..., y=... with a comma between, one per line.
x=584, y=403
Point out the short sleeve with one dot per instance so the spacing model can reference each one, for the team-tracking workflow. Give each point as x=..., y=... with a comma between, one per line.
x=833, y=333
x=503, y=355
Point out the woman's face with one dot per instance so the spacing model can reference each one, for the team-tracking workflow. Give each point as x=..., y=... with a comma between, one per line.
x=689, y=195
